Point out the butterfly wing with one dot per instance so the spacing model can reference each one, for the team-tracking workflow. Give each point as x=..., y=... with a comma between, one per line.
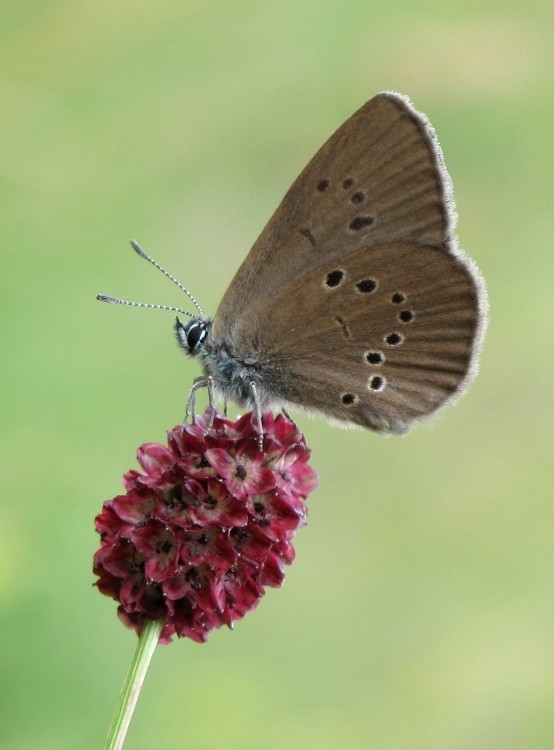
x=374, y=203
x=404, y=348
x=379, y=178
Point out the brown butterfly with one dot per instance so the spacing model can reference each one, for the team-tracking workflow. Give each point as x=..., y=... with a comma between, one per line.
x=355, y=301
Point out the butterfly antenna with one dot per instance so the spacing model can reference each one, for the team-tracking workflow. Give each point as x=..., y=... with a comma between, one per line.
x=117, y=301
x=138, y=249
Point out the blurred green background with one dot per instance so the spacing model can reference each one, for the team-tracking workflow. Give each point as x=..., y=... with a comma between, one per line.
x=420, y=610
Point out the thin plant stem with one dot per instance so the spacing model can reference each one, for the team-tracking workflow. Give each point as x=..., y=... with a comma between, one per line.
x=133, y=683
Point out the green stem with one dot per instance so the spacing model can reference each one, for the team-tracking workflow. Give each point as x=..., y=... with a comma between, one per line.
x=133, y=683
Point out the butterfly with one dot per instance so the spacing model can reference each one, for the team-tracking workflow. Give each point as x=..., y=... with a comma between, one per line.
x=355, y=301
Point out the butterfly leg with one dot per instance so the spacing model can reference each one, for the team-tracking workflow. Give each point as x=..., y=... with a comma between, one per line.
x=258, y=412
x=288, y=416
x=209, y=384
x=190, y=410
x=191, y=401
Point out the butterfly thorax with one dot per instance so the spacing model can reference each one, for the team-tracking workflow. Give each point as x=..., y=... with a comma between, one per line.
x=236, y=377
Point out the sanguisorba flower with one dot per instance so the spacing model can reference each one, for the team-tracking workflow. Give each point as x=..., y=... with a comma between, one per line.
x=206, y=525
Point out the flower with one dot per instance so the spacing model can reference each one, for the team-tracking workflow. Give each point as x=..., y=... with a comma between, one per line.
x=205, y=525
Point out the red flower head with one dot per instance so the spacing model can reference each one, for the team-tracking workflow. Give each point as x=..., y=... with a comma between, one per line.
x=206, y=525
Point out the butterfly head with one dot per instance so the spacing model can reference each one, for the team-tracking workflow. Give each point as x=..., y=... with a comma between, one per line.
x=191, y=335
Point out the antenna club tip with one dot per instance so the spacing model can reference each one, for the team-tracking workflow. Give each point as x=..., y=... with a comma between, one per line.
x=137, y=248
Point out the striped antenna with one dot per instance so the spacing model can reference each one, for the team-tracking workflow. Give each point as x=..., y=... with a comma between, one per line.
x=116, y=301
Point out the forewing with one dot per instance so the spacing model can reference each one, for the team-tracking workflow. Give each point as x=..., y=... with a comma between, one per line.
x=380, y=178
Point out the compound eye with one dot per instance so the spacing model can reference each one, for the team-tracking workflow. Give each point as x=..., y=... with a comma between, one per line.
x=191, y=335
x=195, y=333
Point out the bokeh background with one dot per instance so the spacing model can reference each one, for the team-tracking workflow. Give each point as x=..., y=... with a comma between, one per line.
x=420, y=610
